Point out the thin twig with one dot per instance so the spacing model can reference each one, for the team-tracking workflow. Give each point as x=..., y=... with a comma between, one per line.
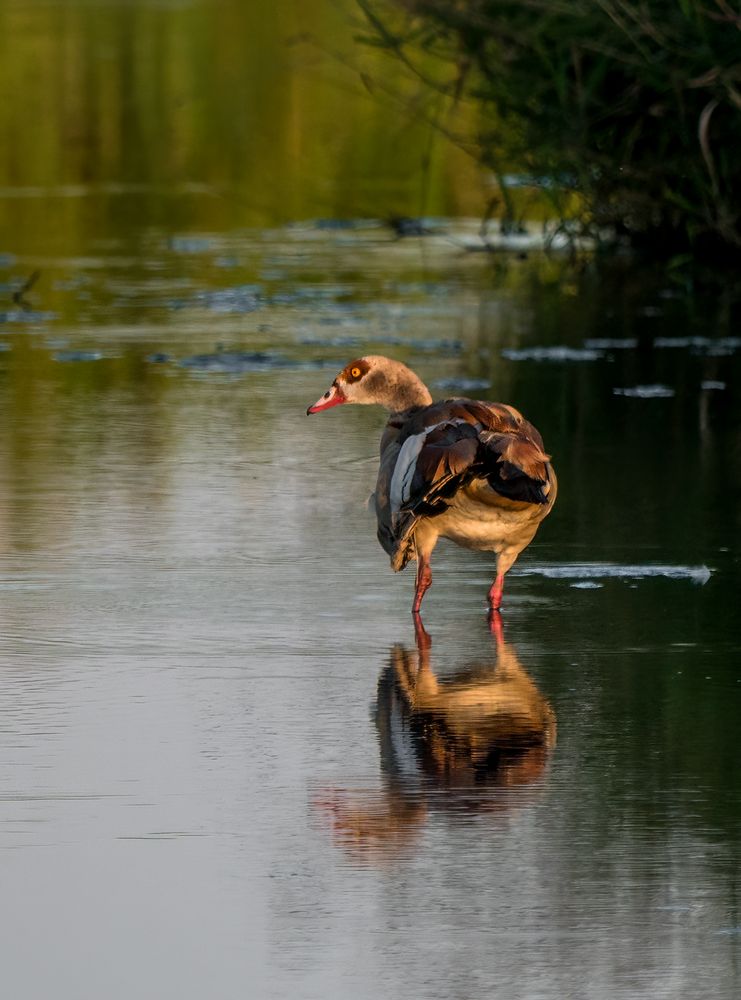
x=702, y=133
x=20, y=293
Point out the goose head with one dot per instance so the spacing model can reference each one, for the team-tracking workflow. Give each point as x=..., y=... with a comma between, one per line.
x=375, y=379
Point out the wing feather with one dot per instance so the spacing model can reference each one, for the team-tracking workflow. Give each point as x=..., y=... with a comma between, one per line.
x=440, y=449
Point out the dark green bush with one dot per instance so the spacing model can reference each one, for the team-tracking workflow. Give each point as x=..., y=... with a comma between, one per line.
x=634, y=105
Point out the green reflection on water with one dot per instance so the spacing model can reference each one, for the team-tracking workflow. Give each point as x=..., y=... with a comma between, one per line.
x=228, y=113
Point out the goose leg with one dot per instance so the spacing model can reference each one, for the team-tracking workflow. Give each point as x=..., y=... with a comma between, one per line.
x=495, y=592
x=505, y=561
x=424, y=579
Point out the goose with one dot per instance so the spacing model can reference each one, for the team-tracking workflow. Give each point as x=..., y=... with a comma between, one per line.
x=468, y=470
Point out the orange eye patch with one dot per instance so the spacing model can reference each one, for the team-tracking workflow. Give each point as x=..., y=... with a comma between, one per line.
x=355, y=372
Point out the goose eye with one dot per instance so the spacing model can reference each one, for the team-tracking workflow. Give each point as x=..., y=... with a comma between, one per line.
x=355, y=372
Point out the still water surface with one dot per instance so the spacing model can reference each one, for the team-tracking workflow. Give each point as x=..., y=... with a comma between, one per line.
x=213, y=782
x=228, y=768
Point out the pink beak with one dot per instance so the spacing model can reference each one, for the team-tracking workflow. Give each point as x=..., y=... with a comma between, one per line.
x=332, y=397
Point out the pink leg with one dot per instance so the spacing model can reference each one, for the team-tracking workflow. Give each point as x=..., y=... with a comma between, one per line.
x=495, y=593
x=424, y=579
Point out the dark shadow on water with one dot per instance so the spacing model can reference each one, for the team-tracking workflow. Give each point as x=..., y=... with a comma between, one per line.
x=475, y=742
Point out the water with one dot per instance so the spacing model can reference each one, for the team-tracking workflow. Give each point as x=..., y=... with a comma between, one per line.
x=228, y=769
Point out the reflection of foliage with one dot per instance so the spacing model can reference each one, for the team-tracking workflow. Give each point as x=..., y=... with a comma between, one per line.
x=636, y=105
x=228, y=114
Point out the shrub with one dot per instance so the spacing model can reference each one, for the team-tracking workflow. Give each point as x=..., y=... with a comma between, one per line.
x=634, y=104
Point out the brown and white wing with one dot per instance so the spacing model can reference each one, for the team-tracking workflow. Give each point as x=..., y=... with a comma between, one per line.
x=439, y=450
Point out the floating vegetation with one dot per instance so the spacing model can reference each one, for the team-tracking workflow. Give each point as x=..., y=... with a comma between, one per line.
x=355, y=342
x=462, y=383
x=315, y=293
x=712, y=346
x=235, y=362
x=404, y=225
x=645, y=392
x=336, y=320
x=597, y=571
x=611, y=343
x=426, y=344
x=426, y=288
x=558, y=353
x=190, y=244
x=73, y=283
x=390, y=340
x=241, y=299
x=339, y=225
x=26, y=316
x=523, y=240
x=84, y=356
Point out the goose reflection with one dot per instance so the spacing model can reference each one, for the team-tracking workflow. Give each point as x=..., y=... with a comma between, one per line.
x=474, y=742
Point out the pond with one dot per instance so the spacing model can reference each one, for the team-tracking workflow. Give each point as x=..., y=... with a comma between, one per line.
x=231, y=767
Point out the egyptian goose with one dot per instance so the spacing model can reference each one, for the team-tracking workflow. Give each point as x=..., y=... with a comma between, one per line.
x=471, y=471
